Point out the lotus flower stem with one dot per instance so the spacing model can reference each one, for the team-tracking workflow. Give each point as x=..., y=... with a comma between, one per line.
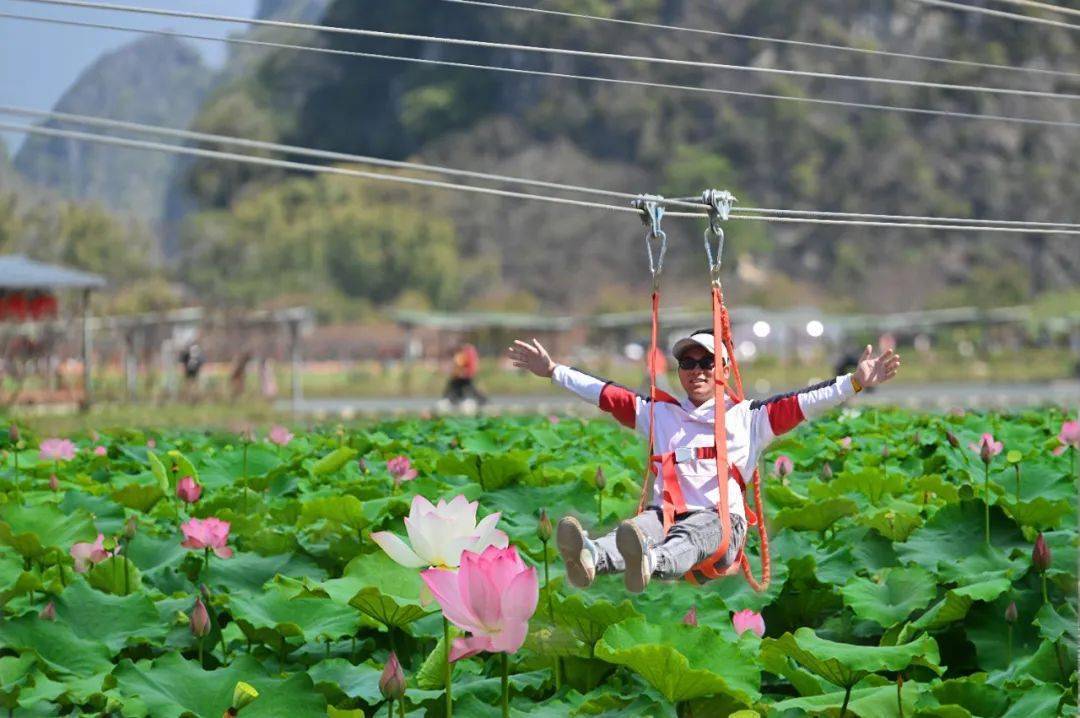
x=401, y=708
x=506, y=685
x=1010, y=643
x=448, y=675
x=201, y=641
x=847, y=697
x=206, y=562
x=244, y=476
x=986, y=498
x=599, y=505
x=390, y=708
x=1017, y=467
x=1045, y=599
x=18, y=487
x=60, y=568
x=551, y=614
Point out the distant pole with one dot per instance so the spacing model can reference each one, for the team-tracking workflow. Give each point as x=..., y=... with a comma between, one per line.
x=86, y=350
x=294, y=360
x=131, y=364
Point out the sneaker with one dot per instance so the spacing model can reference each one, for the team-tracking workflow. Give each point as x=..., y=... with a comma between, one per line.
x=573, y=545
x=635, y=552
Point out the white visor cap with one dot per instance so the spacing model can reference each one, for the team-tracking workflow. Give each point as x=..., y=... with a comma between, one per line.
x=706, y=341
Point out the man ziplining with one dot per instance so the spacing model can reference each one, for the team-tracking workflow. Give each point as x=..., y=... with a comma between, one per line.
x=681, y=525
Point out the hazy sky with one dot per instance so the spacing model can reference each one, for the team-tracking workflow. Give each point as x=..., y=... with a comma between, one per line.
x=39, y=61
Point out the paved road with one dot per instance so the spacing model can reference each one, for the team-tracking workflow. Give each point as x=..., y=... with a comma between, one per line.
x=930, y=397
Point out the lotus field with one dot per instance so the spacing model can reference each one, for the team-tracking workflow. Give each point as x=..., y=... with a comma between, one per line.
x=922, y=565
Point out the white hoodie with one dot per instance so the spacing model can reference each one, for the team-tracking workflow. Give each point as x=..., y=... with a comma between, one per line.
x=751, y=427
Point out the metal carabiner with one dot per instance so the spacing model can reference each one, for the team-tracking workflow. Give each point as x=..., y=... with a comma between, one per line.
x=719, y=202
x=652, y=208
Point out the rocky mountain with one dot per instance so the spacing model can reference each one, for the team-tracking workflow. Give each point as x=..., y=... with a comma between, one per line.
x=155, y=80
x=771, y=153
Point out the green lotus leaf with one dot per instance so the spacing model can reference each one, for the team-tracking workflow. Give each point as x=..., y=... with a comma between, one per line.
x=682, y=662
x=171, y=687
x=380, y=589
x=1040, y=512
x=388, y=610
x=973, y=694
x=895, y=521
x=928, y=487
x=844, y=664
x=814, y=517
x=871, y=483
x=1057, y=621
x=309, y=618
x=587, y=621
x=875, y=702
x=952, y=543
x=955, y=604
x=781, y=496
x=35, y=530
x=161, y=474
x=226, y=467
x=183, y=466
x=352, y=681
x=892, y=599
x=115, y=621
x=1045, y=700
x=250, y=571
x=344, y=511
x=56, y=645
x=333, y=461
x=138, y=497
x=115, y=575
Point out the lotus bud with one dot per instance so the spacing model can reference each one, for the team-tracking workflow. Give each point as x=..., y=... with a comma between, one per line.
x=54, y=483
x=200, y=620
x=48, y=613
x=600, y=479
x=13, y=434
x=826, y=471
x=690, y=619
x=953, y=441
x=243, y=696
x=1040, y=555
x=543, y=528
x=1010, y=612
x=205, y=591
x=392, y=681
x=131, y=526
x=187, y=490
x=783, y=466
x=362, y=465
x=985, y=453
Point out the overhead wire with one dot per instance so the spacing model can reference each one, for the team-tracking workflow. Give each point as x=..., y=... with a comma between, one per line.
x=764, y=39
x=569, y=52
x=950, y=114
x=419, y=181
x=1032, y=3
x=999, y=13
x=687, y=203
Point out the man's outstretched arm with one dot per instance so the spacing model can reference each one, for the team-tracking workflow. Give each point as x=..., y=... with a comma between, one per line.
x=780, y=414
x=622, y=403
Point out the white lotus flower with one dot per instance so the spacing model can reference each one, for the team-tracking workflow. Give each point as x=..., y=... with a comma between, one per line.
x=440, y=533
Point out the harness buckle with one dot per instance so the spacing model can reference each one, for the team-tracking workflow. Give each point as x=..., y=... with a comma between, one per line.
x=684, y=454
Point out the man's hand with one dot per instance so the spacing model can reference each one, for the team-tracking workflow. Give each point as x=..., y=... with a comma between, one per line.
x=533, y=357
x=872, y=370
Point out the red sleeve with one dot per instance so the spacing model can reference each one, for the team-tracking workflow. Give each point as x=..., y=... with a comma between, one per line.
x=620, y=402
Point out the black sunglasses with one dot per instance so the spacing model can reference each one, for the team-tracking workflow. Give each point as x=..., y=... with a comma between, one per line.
x=707, y=363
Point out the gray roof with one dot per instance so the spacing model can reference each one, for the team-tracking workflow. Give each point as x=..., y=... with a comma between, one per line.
x=19, y=272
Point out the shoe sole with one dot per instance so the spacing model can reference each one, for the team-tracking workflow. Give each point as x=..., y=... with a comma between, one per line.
x=570, y=540
x=631, y=544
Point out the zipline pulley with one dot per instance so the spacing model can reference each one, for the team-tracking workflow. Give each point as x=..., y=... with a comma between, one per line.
x=652, y=212
x=719, y=202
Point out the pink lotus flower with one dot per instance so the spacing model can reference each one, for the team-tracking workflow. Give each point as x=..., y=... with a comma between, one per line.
x=553, y=419
x=392, y=680
x=747, y=620
x=690, y=619
x=48, y=613
x=100, y=451
x=783, y=466
x=987, y=448
x=187, y=490
x=401, y=469
x=440, y=533
x=1068, y=436
x=87, y=554
x=209, y=533
x=279, y=435
x=151, y=444
x=845, y=443
x=492, y=596
x=56, y=450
